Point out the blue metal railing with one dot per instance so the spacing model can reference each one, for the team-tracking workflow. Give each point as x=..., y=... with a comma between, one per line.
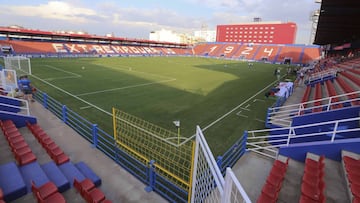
x=104, y=142
x=233, y=154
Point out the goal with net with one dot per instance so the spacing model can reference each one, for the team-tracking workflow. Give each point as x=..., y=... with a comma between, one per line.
x=20, y=64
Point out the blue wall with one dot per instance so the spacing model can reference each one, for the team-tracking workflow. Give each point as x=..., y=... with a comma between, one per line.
x=18, y=119
x=338, y=114
x=9, y=101
x=330, y=150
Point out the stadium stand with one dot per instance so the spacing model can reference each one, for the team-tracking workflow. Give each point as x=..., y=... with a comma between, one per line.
x=19, y=147
x=351, y=77
x=257, y=52
x=332, y=93
x=20, y=47
x=319, y=181
x=54, y=151
x=47, y=180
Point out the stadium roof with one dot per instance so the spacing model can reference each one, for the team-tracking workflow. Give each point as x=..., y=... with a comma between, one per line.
x=339, y=22
x=8, y=31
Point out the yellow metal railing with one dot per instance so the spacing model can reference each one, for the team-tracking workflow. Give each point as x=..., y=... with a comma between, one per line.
x=146, y=142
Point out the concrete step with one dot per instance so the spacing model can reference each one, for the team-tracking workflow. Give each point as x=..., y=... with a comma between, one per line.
x=291, y=187
x=335, y=183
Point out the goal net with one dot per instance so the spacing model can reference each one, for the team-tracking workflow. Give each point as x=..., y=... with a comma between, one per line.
x=20, y=64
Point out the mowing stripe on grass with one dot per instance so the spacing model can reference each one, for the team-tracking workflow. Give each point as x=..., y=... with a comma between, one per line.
x=126, y=87
x=132, y=69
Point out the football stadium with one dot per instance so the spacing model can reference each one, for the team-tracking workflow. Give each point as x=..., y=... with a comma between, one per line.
x=246, y=118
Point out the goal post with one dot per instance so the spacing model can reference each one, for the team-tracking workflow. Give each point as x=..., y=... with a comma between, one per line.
x=20, y=64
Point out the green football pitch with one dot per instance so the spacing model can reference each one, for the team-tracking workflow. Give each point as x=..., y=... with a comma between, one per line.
x=223, y=97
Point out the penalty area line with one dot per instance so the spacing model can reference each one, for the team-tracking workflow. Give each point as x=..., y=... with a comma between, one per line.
x=74, y=96
x=85, y=107
x=238, y=106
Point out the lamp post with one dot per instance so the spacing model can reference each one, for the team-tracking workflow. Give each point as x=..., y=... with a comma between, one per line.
x=177, y=124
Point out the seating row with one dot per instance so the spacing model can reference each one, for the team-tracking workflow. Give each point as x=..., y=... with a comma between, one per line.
x=21, y=150
x=90, y=192
x=47, y=192
x=351, y=164
x=306, y=95
x=53, y=150
x=332, y=93
x=317, y=97
x=272, y=186
x=313, y=185
x=346, y=87
x=351, y=77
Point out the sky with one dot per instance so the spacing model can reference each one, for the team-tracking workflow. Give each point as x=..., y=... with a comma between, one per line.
x=137, y=18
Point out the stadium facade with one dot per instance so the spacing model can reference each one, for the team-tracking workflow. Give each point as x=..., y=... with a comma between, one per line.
x=258, y=32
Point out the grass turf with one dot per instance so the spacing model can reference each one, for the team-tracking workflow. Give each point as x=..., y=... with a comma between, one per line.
x=196, y=91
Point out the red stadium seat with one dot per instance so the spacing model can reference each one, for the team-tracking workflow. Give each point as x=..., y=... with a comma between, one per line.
x=354, y=177
x=94, y=196
x=25, y=158
x=54, y=198
x=60, y=159
x=22, y=151
x=274, y=180
x=270, y=190
x=84, y=186
x=45, y=190
x=310, y=191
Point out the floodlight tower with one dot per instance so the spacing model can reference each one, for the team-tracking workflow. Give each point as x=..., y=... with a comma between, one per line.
x=314, y=18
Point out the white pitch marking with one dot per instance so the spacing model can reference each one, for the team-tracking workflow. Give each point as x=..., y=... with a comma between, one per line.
x=247, y=106
x=238, y=113
x=59, y=78
x=245, y=109
x=85, y=107
x=64, y=71
x=238, y=106
x=74, y=75
x=259, y=120
x=258, y=100
x=78, y=98
x=126, y=87
x=241, y=115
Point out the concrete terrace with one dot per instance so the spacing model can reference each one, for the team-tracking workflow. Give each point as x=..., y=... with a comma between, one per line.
x=117, y=184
